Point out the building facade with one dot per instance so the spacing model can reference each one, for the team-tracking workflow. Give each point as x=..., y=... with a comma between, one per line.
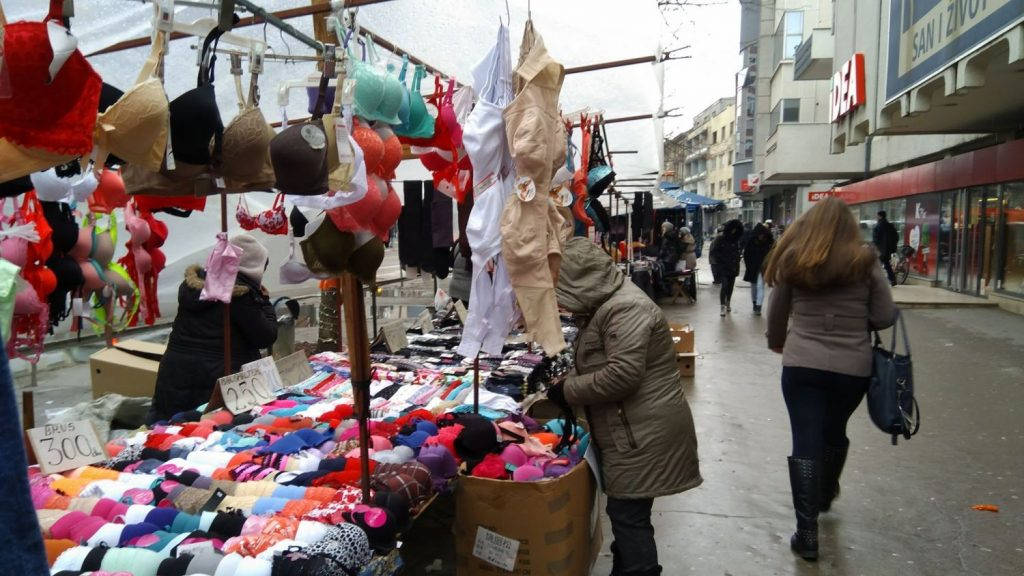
x=931, y=91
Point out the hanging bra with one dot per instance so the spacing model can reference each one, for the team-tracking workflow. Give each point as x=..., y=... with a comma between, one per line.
x=110, y=194
x=403, y=110
x=387, y=215
x=246, y=164
x=194, y=122
x=272, y=221
x=421, y=123
x=140, y=233
x=378, y=95
x=371, y=144
x=392, y=155
x=136, y=126
x=326, y=249
x=54, y=96
x=52, y=188
x=293, y=271
x=359, y=215
x=62, y=221
x=299, y=154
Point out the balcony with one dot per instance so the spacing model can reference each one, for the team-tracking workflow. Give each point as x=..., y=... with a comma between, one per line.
x=698, y=153
x=695, y=178
x=813, y=59
x=802, y=152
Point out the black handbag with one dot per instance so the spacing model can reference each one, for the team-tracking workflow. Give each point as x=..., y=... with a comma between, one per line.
x=891, y=402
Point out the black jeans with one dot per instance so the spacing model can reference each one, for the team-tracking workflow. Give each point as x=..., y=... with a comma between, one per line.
x=820, y=403
x=887, y=264
x=728, y=283
x=634, y=536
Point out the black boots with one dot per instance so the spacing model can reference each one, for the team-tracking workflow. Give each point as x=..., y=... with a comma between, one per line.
x=805, y=481
x=832, y=460
x=617, y=565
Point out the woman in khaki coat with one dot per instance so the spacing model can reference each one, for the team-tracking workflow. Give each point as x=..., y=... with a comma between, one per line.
x=628, y=383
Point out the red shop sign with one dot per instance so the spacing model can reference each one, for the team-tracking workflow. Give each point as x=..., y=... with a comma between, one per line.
x=849, y=89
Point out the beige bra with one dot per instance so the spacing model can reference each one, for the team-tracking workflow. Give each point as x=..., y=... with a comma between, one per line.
x=246, y=163
x=135, y=127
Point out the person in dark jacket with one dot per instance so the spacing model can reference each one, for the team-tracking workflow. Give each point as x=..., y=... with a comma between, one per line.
x=828, y=294
x=725, y=260
x=759, y=244
x=671, y=249
x=195, y=352
x=885, y=238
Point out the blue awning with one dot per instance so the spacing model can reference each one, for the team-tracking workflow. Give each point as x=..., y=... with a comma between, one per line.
x=669, y=186
x=694, y=199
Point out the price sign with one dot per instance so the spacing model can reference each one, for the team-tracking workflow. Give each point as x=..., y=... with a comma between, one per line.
x=495, y=549
x=426, y=321
x=460, y=309
x=245, y=390
x=65, y=446
x=394, y=336
x=268, y=368
x=294, y=368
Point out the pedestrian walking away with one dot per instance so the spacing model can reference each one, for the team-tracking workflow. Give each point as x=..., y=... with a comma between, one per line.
x=885, y=239
x=828, y=293
x=627, y=381
x=759, y=244
x=725, y=256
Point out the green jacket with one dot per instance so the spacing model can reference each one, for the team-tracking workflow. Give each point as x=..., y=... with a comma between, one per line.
x=626, y=377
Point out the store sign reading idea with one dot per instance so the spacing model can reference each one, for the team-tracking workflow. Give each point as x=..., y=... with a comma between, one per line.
x=849, y=89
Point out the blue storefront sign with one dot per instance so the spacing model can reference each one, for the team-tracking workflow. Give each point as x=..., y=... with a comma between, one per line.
x=926, y=36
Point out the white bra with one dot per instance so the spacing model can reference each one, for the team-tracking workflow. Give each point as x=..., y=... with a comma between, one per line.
x=52, y=188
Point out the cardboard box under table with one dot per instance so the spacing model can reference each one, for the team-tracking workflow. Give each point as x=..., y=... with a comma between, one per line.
x=548, y=528
x=128, y=368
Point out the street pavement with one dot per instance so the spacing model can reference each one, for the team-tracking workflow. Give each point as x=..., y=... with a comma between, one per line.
x=904, y=510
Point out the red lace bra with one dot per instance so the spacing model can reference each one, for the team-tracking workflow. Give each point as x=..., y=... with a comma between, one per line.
x=272, y=221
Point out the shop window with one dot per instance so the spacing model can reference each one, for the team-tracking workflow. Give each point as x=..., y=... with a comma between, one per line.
x=1013, y=237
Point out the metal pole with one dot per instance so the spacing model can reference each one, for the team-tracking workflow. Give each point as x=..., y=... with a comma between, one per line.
x=225, y=307
x=373, y=305
x=476, y=384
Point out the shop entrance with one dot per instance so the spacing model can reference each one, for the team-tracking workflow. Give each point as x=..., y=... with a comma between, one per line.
x=966, y=242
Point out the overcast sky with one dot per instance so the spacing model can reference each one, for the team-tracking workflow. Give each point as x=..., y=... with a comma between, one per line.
x=713, y=32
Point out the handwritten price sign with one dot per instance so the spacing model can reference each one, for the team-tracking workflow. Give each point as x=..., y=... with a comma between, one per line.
x=245, y=390
x=65, y=446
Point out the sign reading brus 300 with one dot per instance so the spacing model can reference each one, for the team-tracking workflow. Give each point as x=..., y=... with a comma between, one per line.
x=926, y=36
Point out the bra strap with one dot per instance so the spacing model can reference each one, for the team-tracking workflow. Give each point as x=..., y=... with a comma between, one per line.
x=405, y=66
x=325, y=79
x=255, y=68
x=236, y=73
x=153, y=67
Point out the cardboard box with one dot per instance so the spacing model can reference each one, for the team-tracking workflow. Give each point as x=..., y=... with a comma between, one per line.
x=554, y=524
x=682, y=337
x=128, y=369
x=687, y=363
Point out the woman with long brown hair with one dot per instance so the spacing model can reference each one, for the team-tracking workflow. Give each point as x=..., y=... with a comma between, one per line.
x=829, y=291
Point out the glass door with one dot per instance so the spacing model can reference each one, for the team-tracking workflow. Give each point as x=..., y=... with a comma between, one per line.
x=943, y=260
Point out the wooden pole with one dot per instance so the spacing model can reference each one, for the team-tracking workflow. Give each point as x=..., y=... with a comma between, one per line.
x=359, y=360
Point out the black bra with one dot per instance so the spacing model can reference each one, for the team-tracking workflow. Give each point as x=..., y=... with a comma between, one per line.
x=195, y=116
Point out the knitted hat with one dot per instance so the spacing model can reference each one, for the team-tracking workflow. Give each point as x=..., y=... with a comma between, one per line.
x=254, y=256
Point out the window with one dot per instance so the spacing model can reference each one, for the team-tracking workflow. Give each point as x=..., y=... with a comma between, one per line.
x=723, y=133
x=712, y=187
x=728, y=184
x=788, y=36
x=714, y=137
x=786, y=111
x=732, y=127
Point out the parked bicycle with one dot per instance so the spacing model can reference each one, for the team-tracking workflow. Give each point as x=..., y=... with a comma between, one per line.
x=901, y=263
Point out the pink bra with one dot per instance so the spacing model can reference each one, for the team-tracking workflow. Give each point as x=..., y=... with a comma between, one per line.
x=272, y=221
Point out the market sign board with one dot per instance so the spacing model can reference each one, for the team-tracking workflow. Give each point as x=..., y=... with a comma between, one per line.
x=926, y=36
x=65, y=446
x=849, y=89
x=818, y=195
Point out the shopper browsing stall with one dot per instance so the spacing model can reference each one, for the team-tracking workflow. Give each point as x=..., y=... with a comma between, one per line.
x=626, y=378
x=195, y=351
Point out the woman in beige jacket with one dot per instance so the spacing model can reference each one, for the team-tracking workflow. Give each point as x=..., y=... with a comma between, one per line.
x=628, y=383
x=829, y=290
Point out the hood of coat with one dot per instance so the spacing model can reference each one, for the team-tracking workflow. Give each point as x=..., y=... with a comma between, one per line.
x=587, y=278
x=195, y=281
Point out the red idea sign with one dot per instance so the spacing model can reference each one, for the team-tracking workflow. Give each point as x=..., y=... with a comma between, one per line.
x=816, y=195
x=849, y=90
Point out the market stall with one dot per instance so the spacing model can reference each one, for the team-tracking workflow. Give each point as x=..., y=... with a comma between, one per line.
x=296, y=466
